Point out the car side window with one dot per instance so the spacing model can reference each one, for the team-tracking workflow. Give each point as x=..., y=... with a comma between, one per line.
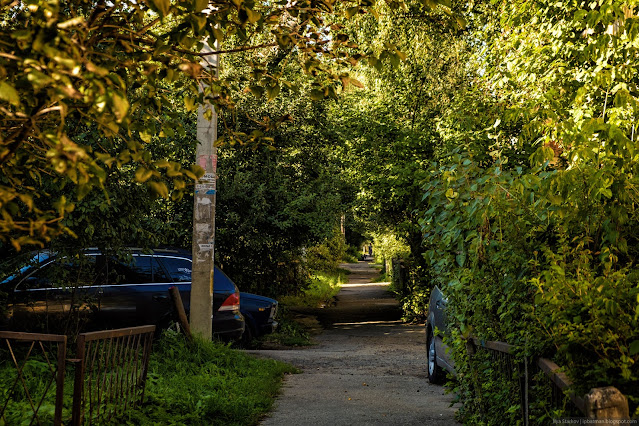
x=178, y=268
x=159, y=274
x=63, y=273
x=141, y=270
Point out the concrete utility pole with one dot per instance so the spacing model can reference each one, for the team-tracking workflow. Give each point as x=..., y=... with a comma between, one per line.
x=204, y=215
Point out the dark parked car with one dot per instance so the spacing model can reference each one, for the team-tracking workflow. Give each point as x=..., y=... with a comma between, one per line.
x=104, y=291
x=439, y=357
x=259, y=314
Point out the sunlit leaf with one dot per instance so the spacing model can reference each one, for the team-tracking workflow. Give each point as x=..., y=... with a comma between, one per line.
x=120, y=106
x=159, y=188
x=272, y=91
x=9, y=93
x=162, y=6
x=352, y=11
x=253, y=16
x=143, y=174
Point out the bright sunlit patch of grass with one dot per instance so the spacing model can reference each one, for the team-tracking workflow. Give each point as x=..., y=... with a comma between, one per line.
x=323, y=288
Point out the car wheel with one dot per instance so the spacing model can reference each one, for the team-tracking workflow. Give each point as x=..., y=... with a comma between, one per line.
x=435, y=372
x=247, y=337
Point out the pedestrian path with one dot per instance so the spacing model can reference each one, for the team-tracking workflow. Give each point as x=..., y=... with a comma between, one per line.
x=367, y=368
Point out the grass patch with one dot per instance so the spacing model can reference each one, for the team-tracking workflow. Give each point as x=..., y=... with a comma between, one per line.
x=290, y=332
x=323, y=288
x=200, y=383
x=295, y=326
x=206, y=383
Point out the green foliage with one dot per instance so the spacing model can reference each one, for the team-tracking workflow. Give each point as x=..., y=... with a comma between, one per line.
x=327, y=256
x=187, y=383
x=390, y=131
x=124, y=70
x=290, y=331
x=387, y=246
x=272, y=204
x=529, y=220
x=320, y=291
x=206, y=383
x=36, y=374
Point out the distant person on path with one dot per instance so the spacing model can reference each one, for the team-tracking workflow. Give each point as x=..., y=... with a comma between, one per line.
x=370, y=250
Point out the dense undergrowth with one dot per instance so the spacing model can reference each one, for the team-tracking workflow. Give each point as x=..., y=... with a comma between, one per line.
x=529, y=211
x=323, y=287
x=204, y=383
x=188, y=383
x=553, y=277
x=319, y=291
x=295, y=329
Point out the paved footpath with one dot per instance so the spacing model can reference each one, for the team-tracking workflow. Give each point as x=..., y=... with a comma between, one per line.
x=367, y=368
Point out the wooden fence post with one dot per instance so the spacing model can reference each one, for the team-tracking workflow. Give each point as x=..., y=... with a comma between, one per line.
x=179, y=307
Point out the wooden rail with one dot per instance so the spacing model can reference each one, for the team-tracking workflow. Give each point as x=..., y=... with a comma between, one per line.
x=605, y=403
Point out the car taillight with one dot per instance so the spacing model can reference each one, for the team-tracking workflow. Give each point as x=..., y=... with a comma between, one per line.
x=232, y=303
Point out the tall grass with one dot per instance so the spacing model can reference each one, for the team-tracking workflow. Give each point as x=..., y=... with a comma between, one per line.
x=206, y=383
x=200, y=383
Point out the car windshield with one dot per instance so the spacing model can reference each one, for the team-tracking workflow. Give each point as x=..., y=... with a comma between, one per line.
x=18, y=265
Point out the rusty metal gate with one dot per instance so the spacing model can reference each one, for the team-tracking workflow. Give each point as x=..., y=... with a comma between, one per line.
x=110, y=374
x=44, y=353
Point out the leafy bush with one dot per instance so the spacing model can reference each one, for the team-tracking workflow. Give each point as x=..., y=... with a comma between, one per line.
x=323, y=287
x=530, y=210
x=550, y=276
x=388, y=246
x=328, y=255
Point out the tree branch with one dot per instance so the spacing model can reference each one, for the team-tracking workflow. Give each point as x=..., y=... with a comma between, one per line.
x=221, y=52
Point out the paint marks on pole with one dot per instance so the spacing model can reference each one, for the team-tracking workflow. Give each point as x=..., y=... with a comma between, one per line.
x=206, y=247
x=205, y=188
x=208, y=163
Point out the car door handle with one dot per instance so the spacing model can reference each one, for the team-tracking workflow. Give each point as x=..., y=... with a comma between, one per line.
x=159, y=298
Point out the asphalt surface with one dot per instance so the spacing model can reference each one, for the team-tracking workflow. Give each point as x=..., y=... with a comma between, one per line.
x=366, y=369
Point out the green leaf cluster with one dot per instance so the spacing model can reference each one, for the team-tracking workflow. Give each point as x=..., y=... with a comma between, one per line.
x=529, y=216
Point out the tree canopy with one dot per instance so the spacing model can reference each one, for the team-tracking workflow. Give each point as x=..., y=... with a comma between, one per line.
x=85, y=86
x=496, y=139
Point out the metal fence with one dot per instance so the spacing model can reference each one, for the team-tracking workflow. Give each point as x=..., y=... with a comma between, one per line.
x=110, y=374
x=34, y=363
x=541, y=389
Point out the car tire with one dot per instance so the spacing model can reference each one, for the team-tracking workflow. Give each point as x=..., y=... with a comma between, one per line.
x=435, y=372
x=247, y=337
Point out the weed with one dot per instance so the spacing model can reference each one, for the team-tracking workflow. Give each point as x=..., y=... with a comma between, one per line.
x=199, y=383
x=206, y=383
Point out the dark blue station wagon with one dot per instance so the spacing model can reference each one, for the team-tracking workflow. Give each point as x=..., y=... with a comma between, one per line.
x=105, y=292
